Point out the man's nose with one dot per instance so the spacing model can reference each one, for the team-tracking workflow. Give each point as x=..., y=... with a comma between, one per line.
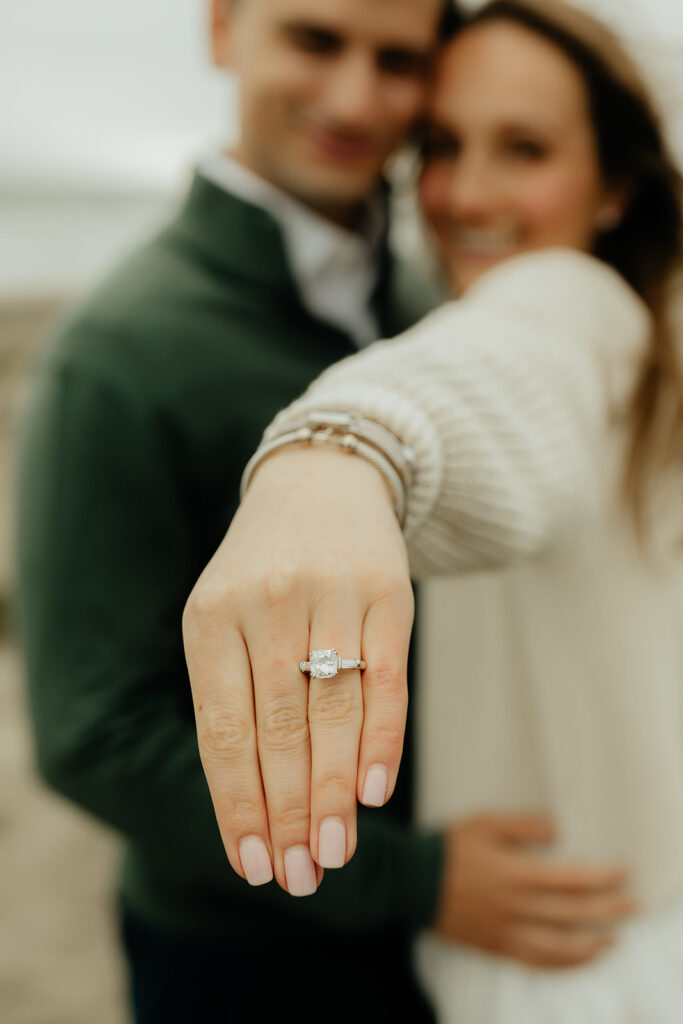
x=353, y=97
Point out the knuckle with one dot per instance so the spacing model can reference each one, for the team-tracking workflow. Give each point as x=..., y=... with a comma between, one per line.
x=206, y=602
x=242, y=813
x=283, y=726
x=339, y=705
x=389, y=585
x=276, y=587
x=293, y=820
x=223, y=731
x=387, y=736
x=387, y=675
x=336, y=789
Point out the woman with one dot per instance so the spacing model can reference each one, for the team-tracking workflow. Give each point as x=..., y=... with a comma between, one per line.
x=544, y=416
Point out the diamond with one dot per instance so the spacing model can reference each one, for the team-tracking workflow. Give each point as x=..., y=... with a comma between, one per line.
x=324, y=664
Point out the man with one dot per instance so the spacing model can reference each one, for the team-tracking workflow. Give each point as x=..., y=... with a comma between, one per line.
x=145, y=412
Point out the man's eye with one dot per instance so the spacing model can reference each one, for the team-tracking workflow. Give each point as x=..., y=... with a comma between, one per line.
x=313, y=40
x=406, y=63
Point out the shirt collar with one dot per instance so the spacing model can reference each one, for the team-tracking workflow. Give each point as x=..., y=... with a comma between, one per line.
x=336, y=269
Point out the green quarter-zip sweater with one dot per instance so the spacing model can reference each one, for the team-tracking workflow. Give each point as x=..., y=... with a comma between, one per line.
x=145, y=411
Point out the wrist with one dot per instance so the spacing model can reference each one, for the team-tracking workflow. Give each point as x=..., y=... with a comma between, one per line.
x=319, y=470
x=352, y=434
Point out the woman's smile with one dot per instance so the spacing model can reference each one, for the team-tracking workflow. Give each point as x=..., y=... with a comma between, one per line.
x=510, y=155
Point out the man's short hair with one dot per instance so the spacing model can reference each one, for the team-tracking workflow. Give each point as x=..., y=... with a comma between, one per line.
x=452, y=19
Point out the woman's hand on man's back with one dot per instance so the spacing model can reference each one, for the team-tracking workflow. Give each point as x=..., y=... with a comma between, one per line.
x=500, y=895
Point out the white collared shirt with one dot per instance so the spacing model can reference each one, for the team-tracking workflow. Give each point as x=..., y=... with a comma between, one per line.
x=335, y=269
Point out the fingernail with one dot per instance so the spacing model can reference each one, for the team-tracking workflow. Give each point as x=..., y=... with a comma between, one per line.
x=332, y=843
x=300, y=871
x=255, y=860
x=375, y=789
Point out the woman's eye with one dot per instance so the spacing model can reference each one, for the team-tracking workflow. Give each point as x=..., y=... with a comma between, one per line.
x=440, y=148
x=526, y=149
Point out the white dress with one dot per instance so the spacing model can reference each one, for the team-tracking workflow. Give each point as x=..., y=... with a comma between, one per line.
x=551, y=665
x=639, y=982
x=557, y=686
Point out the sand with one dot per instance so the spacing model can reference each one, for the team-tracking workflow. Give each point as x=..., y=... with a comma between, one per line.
x=59, y=961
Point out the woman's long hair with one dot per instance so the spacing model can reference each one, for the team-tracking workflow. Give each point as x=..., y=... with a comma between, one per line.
x=646, y=246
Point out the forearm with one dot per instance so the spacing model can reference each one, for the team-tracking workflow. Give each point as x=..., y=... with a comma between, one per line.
x=501, y=396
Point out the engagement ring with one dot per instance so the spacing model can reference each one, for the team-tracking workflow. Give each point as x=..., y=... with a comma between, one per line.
x=326, y=664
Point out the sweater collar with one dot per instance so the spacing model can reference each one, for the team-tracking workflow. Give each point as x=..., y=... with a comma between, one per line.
x=260, y=233
x=240, y=240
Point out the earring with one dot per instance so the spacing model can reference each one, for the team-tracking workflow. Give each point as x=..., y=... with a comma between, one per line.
x=607, y=218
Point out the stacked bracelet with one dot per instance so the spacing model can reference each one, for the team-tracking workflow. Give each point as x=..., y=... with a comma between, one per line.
x=350, y=433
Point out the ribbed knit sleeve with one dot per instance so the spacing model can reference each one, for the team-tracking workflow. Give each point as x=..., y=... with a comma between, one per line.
x=504, y=396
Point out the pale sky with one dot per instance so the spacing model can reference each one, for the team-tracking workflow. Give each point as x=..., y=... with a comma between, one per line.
x=122, y=94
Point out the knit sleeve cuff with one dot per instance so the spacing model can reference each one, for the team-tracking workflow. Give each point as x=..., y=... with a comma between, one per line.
x=418, y=866
x=405, y=418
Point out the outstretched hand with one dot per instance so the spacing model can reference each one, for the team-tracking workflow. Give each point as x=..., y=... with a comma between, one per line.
x=314, y=559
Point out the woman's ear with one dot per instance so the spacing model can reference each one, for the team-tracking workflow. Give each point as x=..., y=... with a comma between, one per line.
x=613, y=208
x=221, y=19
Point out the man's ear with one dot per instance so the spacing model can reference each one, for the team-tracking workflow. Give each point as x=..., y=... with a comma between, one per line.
x=221, y=19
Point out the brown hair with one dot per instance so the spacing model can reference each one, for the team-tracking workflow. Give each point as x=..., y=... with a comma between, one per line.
x=451, y=20
x=646, y=246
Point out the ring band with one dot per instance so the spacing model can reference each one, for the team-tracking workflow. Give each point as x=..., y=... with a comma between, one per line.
x=326, y=664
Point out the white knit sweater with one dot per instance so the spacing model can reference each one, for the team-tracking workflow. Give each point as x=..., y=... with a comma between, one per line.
x=552, y=677
x=551, y=646
x=503, y=395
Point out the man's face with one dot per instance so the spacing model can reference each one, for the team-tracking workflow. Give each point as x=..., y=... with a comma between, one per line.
x=329, y=88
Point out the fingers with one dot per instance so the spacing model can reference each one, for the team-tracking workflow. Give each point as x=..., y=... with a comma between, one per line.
x=563, y=913
x=579, y=910
x=544, y=946
x=335, y=716
x=281, y=702
x=386, y=640
x=572, y=878
x=523, y=829
x=220, y=676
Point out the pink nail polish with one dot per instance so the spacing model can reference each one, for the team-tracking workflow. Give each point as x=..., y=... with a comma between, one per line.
x=255, y=860
x=300, y=871
x=375, y=788
x=332, y=843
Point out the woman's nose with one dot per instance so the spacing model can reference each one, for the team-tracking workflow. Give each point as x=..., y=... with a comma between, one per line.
x=471, y=189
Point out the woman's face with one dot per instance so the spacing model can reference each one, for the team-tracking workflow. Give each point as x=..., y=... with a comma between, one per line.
x=510, y=159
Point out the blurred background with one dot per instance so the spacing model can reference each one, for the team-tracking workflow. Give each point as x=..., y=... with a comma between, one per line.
x=105, y=110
